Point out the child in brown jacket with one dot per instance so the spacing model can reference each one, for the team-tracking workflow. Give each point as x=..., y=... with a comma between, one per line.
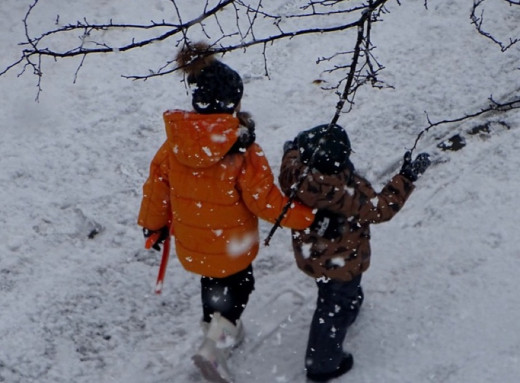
x=336, y=249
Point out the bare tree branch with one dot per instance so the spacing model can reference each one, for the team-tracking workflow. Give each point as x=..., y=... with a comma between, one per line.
x=314, y=17
x=86, y=28
x=477, y=18
x=355, y=78
x=247, y=15
x=231, y=25
x=493, y=107
x=166, y=30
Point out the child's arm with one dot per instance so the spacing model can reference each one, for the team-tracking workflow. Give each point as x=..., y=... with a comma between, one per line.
x=155, y=206
x=372, y=207
x=337, y=193
x=384, y=205
x=263, y=197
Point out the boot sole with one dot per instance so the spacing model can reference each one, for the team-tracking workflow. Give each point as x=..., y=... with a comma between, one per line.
x=209, y=370
x=346, y=365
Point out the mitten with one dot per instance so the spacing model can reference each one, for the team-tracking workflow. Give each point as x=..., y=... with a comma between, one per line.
x=413, y=169
x=161, y=234
x=246, y=134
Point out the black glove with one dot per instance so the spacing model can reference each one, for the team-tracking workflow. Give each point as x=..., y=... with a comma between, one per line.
x=246, y=133
x=163, y=232
x=413, y=169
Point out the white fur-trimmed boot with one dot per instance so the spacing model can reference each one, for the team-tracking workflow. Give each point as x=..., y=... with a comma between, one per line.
x=221, y=337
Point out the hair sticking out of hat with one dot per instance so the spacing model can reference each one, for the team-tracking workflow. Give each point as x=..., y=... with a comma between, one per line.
x=192, y=58
x=216, y=88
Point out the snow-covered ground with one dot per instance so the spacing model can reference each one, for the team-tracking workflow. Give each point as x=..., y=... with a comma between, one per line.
x=442, y=301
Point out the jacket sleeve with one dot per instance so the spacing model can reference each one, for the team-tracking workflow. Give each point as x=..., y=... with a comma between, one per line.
x=263, y=197
x=155, y=205
x=355, y=198
x=372, y=207
x=290, y=172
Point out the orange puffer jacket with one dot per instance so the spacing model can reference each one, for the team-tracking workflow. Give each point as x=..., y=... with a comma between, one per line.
x=214, y=199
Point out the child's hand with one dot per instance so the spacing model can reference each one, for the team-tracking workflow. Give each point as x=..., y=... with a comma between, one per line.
x=156, y=237
x=413, y=169
x=246, y=135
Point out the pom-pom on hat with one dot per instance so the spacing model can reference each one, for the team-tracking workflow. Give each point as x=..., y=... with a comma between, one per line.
x=216, y=87
x=325, y=149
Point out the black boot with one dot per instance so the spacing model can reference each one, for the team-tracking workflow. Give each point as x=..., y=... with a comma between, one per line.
x=345, y=366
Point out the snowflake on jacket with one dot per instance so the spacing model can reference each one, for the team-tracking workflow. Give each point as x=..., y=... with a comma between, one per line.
x=337, y=245
x=214, y=192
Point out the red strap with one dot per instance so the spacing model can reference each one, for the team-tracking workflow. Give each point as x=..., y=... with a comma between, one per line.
x=163, y=265
x=151, y=240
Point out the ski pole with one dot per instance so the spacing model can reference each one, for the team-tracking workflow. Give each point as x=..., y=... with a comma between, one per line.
x=163, y=265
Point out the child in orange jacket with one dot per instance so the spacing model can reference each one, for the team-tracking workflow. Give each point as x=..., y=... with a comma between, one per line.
x=208, y=185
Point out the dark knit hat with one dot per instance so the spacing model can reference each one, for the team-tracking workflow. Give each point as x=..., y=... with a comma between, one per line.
x=325, y=149
x=216, y=87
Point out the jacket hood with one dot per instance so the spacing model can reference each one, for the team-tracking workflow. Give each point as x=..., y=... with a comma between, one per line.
x=200, y=140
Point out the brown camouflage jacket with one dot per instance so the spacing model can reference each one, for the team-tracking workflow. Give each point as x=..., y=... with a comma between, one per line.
x=337, y=245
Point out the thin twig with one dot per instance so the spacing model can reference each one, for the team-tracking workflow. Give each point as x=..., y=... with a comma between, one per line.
x=350, y=89
x=492, y=107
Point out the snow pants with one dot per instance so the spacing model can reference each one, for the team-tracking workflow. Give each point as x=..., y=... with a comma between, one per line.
x=336, y=309
x=228, y=296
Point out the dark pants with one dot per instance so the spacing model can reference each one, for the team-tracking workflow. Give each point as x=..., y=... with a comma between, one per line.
x=227, y=295
x=336, y=309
